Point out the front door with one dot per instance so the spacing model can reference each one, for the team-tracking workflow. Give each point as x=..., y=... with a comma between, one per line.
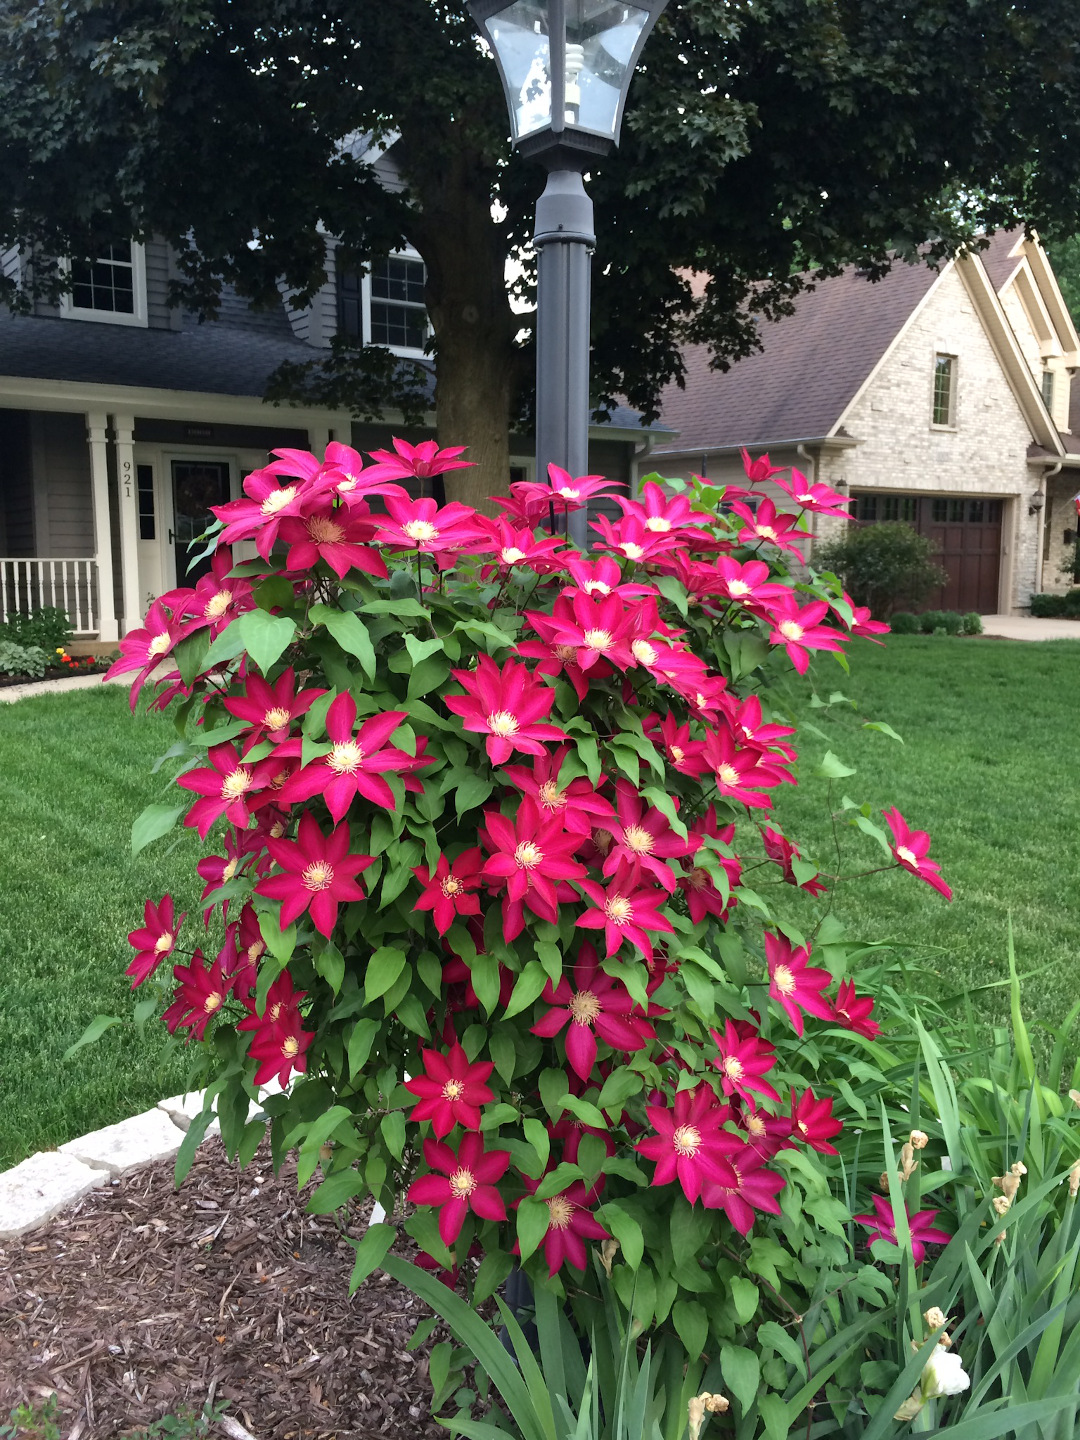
x=197, y=485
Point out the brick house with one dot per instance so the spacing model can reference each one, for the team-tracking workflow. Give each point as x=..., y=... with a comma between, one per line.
x=937, y=397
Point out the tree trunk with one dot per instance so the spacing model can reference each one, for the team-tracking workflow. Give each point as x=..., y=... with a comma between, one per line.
x=477, y=362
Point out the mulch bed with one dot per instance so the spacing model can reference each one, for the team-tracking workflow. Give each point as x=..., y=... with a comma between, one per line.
x=54, y=672
x=144, y=1300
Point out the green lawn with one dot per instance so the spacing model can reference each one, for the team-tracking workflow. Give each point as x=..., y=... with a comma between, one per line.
x=74, y=772
x=987, y=767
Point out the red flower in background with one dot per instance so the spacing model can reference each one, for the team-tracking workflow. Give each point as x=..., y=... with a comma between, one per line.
x=446, y=892
x=155, y=941
x=532, y=855
x=356, y=762
x=464, y=1181
x=421, y=461
x=598, y=1006
x=258, y=516
x=690, y=1145
x=660, y=512
x=227, y=785
x=626, y=910
x=642, y=838
x=518, y=546
x=451, y=1090
x=200, y=994
x=817, y=498
x=812, y=1122
x=576, y=804
x=420, y=525
x=854, y=1011
x=783, y=852
x=317, y=874
x=794, y=982
x=911, y=849
x=279, y=1042
x=799, y=630
x=570, y=1224
x=596, y=629
x=506, y=704
x=767, y=524
x=760, y=469
x=683, y=753
x=882, y=1226
x=145, y=648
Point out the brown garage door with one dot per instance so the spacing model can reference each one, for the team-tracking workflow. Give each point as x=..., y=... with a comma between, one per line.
x=966, y=532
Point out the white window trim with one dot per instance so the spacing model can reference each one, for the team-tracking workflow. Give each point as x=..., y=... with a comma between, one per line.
x=954, y=388
x=407, y=352
x=70, y=311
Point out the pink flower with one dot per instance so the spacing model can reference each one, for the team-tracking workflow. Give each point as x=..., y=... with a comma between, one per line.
x=576, y=804
x=144, y=649
x=767, y=524
x=632, y=540
x=356, y=762
x=882, y=1226
x=155, y=941
x=740, y=773
x=200, y=994
x=446, y=892
x=759, y=469
x=817, y=498
x=626, y=910
x=337, y=536
x=601, y=575
x=784, y=852
x=862, y=624
x=570, y=1224
x=217, y=599
x=662, y=513
x=505, y=704
x=451, y=1090
x=800, y=631
x=742, y=1061
x=259, y=515
x=271, y=709
x=911, y=850
x=683, y=753
x=514, y=547
x=702, y=896
x=281, y=1052
x=642, y=838
x=812, y=1122
x=420, y=525
x=465, y=1181
x=854, y=1011
x=227, y=786
x=532, y=854
x=572, y=493
x=597, y=1007
x=596, y=629
x=421, y=461
x=752, y=1188
x=690, y=1144
x=741, y=583
x=317, y=874
x=794, y=982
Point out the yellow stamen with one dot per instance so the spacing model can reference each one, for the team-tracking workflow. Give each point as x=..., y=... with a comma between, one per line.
x=502, y=724
x=658, y=525
x=511, y=555
x=277, y=718
x=462, y=1184
x=236, y=783
x=644, y=652
x=218, y=604
x=784, y=980
x=561, y=1211
x=345, y=758
x=584, y=1007
x=791, y=630
x=727, y=775
x=453, y=1090
x=319, y=875
x=687, y=1140
x=909, y=856
x=528, y=855
x=638, y=839
x=212, y=1002
x=290, y=1046
x=598, y=639
x=278, y=499
x=324, y=531
x=158, y=645
x=420, y=531
x=163, y=943
x=618, y=910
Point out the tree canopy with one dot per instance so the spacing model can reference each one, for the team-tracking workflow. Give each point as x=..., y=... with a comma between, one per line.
x=762, y=138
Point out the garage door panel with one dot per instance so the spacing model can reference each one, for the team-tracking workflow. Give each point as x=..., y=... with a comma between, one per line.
x=966, y=535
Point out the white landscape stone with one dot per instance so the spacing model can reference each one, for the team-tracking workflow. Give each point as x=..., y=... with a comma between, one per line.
x=183, y=1109
x=129, y=1146
x=40, y=1187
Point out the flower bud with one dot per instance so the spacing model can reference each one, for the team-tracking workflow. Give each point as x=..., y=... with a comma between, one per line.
x=919, y=1139
x=1074, y=1181
x=1074, y=1096
x=1018, y=1168
x=1002, y=1204
x=935, y=1318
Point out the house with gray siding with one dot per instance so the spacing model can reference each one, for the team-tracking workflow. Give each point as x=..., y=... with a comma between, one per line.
x=939, y=397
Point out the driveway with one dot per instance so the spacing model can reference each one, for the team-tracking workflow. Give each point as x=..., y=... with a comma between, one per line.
x=1026, y=627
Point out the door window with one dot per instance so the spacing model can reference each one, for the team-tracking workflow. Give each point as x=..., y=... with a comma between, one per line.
x=197, y=485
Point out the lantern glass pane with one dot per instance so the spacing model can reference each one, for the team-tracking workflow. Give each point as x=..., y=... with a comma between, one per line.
x=520, y=36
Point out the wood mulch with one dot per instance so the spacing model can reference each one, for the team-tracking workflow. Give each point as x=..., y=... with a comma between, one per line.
x=144, y=1300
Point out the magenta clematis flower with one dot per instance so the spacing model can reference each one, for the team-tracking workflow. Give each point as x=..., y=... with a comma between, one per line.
x=451, y=1090
x=800, y=631
x=420, y=461
x=596, y=629
x=854, y=1011
x=217, y=599
x=259, y=515
x=281, y=1053
x=765, y=1133
x=794, y=982
x=742, y=1061
x=662, y=513
x=626, y=910
x=515, y=546
x=817, y=498
x=271, y=709
x=911, y=849
x=570, y=1224
x=465, y=1181
x=812, y=1122
x=752, y=1188
x=144, y=649
x=643, y=839
x=767, y=524
x=760, y=469
x=702, y=896
x=155, y=941
x=741, y=771
x=337, y=536
x=532, y=854
x=598, y=1006
x=782, y=852
x=882, y=1226
x=690, y=1144
x=602, y=575
x=862, y=623
x=446, y=892
x=356, y=762
x=686, y=755
x=420, y=525
x=576, y=804
x=743, y=583
x=572, y=492
x=317, y=874
x=227, y=786
x=200, y=994
x=633, y=541
x=506, y=704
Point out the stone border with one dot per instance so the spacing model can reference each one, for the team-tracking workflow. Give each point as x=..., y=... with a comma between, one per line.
x=40, y=1187
x=10, y=693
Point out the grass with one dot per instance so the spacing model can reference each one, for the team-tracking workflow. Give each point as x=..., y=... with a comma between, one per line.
x=74, y=772
x=987, y=768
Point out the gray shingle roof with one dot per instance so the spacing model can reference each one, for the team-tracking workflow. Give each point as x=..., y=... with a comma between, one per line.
x=809, y=369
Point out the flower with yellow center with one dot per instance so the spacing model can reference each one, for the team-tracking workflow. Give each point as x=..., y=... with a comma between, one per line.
x=276, y=718
x=699, y=879
x=324, y=531
x=737, y=589
x=584, y=1007
x=453, y=1090
x=218, y=604
x=639, y=840
x=561, y=1212
x=908, y=856
x=687, y=1140
x=503, y=724
x=658, y=525
x=462, y=1183
x=451, y=885
x=734, y=1068
x=164, y=943
x=755, y=1125
x=420, y=532
x=791, y=630
x=766, y=532
x=596, y=587
x=618, y=910
x=230, y=869
x=278, y=499
x=238, y=782
x=158, y=645
x=598, y=639
x=345, y=758
x=213, y=1002
x=784, y=980
x=528, y=855
x=290, y=1046
x=568, y=493
x=551, y=797
x=511, y=555
x=727, y=774
x=678, y=754
x=632, y=551
x=319, y=875
x=255, y=951
x=565, y=653
x=645, y=653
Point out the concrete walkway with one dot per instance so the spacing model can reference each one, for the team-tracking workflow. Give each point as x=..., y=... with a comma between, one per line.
x=1026, y=627
x=10, y=693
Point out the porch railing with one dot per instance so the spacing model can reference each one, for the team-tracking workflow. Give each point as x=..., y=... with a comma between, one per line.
x=69, y=584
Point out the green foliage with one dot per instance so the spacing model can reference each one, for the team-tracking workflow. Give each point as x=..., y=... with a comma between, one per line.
x=1047, y=606
x=882, y=565
x=972, y=623
x=36, y=1421
x=47, y=627
x=904, y=623
x=23, y=660
x=941, y=622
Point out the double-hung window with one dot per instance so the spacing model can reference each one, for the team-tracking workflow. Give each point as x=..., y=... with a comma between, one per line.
x=943, y=412
x=109, y=286
x=385, y=305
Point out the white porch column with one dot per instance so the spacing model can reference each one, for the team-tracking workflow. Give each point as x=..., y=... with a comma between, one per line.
x=97, y=439
x=128, y=491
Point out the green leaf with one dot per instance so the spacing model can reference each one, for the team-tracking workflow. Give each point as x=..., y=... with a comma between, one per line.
x=393, y=1132
x=265, y=637
x=155, y=821
x=527, y=988
x=280, y=943
x=400, y=609
x=776, y=1416
x=586, y=1112
x=555, y=1181
x=885, y=729
x=537, y=1136
x=190, y=655
x=370, y=1253
x=832, y=769
x=626, y=1230
x=419, y=650
x=93, y=1033
x=350, y=632
x=618, y=1088
x=335, y=1191
x=533, y=1220
x=384, y=967
x=427, y=676
x=228, y=645
x=741, y=1370
x=469, y=792
x=744, y=1294
x=503, y=1051
x=330, y=964
x=691, y=1325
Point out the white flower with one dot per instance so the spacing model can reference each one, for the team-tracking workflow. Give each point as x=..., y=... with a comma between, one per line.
x=944, y=1374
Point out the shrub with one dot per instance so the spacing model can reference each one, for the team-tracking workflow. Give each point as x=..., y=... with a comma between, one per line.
x=1072, y=602
x=972, y=623
x=1045, y=607
x=22, y=660
x=882, y=565
x=47, y=627
x=904, y=623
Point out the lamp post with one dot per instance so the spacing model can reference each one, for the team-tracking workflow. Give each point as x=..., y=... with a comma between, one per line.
x=566, y=67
